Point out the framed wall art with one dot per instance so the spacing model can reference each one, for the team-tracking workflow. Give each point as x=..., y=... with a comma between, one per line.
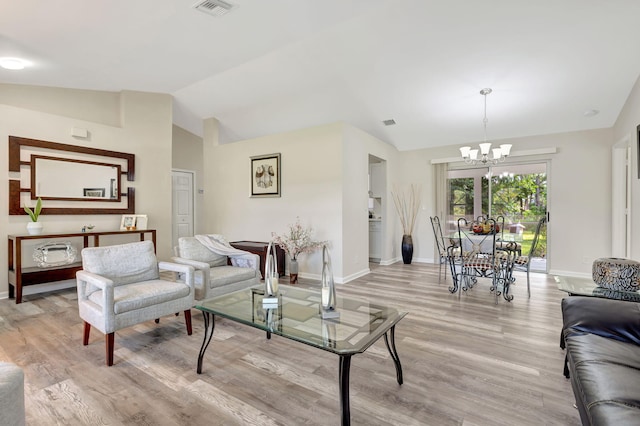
x=265, y=175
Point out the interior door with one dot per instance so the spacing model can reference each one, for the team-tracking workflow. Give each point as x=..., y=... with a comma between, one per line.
x=182, y=205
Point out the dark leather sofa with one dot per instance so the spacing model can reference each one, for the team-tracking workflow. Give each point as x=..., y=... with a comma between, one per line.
x=602, y=339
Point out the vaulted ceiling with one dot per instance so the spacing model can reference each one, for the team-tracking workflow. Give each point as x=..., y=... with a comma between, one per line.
x=269, y=66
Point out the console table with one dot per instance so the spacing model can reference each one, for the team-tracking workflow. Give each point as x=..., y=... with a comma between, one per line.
x=20, y=277
x=260, y=248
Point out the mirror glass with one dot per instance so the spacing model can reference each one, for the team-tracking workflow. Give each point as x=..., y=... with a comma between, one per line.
x=69, y=179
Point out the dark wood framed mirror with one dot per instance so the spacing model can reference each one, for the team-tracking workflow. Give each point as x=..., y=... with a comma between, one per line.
x=79, y=180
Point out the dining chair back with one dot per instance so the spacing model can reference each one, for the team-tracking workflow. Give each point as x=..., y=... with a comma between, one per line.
x=441, y=246
x=523, y=263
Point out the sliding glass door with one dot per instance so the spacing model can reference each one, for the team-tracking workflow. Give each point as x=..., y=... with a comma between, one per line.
x=516, y=192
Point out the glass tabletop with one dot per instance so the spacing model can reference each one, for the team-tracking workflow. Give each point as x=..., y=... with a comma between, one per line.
x=297, y=316
x=587, y=287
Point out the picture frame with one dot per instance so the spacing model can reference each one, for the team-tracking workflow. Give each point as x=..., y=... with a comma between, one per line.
x=266, y=176
x=141, y=222
x=128, y=222
x=93, y=192
x=114, y=189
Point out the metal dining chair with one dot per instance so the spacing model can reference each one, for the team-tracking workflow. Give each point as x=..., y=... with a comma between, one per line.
x=523, y=263
x=446, y=252
x=441, y=246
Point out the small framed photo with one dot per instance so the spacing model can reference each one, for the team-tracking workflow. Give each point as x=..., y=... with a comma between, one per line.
x=114, y=189
x=141, y=221
x=265, y=176
x=128, y=222
x=93, y=192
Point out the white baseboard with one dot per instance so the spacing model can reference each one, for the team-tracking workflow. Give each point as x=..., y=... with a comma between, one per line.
x=570, y=274
x=337, y=280
x=42, y=288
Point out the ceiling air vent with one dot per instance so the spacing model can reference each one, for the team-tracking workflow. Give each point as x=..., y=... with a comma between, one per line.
x=389, y=122
x=214, y=7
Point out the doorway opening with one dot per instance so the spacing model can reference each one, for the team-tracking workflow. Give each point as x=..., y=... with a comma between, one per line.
x=517, y=192
x=376, y=206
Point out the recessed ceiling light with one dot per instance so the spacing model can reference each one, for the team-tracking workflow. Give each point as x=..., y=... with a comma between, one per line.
x=591, y=112
x=12, y=63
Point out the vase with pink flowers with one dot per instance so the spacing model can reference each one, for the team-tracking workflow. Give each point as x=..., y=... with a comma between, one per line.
x=296, y=241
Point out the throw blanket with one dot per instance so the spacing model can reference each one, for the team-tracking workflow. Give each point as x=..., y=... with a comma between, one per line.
x=217, y=244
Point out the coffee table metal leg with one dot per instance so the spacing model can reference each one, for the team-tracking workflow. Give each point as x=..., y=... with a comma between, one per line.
x=394, y=352
x=208, y=334
x=345, y=364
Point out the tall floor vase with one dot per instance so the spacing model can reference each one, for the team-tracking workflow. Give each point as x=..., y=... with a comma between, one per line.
x=407, y=249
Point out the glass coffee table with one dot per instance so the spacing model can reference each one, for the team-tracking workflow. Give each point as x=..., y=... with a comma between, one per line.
x=296, y=316
x=587, y=287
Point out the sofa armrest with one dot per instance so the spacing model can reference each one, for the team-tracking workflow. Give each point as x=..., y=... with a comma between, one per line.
x=202, y=266
x=87, y=279
x=614, y=319
x=187, y=270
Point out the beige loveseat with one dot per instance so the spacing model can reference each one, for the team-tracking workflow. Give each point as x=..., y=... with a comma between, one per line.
x=213, y=276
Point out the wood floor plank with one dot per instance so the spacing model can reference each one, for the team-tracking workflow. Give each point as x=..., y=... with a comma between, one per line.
x=466, y=361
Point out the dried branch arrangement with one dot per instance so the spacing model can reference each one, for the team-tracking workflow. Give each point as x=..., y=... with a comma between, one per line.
x=407, y=206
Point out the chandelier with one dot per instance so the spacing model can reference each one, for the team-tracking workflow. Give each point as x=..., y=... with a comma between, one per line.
x=470, y=156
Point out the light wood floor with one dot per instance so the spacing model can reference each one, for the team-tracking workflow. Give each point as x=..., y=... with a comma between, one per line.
x=466, y=361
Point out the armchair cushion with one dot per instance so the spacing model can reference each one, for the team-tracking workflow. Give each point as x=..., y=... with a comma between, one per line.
x=123, y=264
x=141, y=295
x=191, y=248
x=224, y=275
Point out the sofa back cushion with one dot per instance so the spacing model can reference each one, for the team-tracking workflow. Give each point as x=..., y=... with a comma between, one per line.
x=192, y=249
x=123, y=263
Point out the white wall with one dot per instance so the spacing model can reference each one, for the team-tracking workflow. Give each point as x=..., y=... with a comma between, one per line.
x=358, y=145
x=625, y=127
x=311, y=172
x=144, y=129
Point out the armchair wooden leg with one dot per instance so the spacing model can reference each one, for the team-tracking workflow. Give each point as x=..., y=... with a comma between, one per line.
x=187, y=320
x=87, y=330
x=109, y=341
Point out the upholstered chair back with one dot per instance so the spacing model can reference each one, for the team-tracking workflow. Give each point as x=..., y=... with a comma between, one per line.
x=192, y=249
x=123, y=263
